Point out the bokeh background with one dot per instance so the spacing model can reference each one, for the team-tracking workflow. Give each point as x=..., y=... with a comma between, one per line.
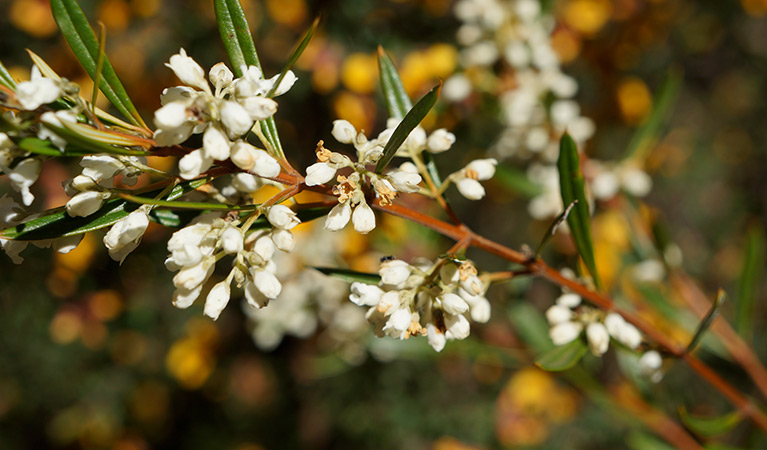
x=93, y=354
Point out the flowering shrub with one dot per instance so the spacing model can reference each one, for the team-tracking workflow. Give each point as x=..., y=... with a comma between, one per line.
x=239, y=154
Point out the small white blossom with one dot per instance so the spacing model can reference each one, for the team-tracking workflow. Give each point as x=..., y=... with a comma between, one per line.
x=187, y=70
x=38, y=91
x=125, y=235
x=338, y=217
x=217, y=299
x=319, y=173
x=440, y=141
x=85, y=203
x=344, y=132
x=363, y=218
x=364, y=294
x=598, y=338
x=282, y=217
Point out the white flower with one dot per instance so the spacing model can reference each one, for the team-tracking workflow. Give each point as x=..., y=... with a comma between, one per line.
x=23, y=176
x=344, y=132
x=338, y=217
x=236, y=119
x=183, y=298
x=85, y=203
x=458, y=326
x=171, y=116
x=125, y=235
x=399, y=321
x=457, y=88
x=483, y=168
x=565, y=332
x=231, y=240
x=569, y=300
x=598, y=338
x=215, y=143
x=623, y=331
x=404, y=181
x=193, y=164
x=440, y=141
x=363, y=218
x=38, y=91
x=220, y=76
x=635, y=181
x=364, y=294
x=650, y=363
x=283, y=240
x=192, y=277
x=266, y=282
x=259, y=108
x=558, y=314
x=282, y=217
x=217, y=299
x=470, y=188
x=319, y=173
x=436, y=338
x=453, y=304
x=188, y=71
x=394, y=272
x=480, y=310
x=100, y=167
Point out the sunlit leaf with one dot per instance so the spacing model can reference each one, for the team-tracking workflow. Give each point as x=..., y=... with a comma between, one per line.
x=81, y=39
x=562, y=357
x=397, y=101
x=5, y=78
x=751, y=274
x=295, y=55
x=571, y=185
x=408, y=124
x=709, y=426
x=350, y=275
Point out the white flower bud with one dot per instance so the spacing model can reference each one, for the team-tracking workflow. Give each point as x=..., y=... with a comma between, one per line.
x=404, y=181
x=220, y=75
x=565, y=332
x=242, y=155
x=283, y=240
x=344, y=132
x=264, y=248
x=188, y=71
x=558, y=314
x=193, y=164
x=564, y=111
x=473, y=285
x=453, y=304
x=436, y=338
x=363, y=218
x=125, y=235
x=215, y=144
x=364, y=294
x=191, y=277
x=650, y=362
x=470, y=188
x=231, y=240
x=635, y=181
x=280, y=216
x=440, y=140
x=605, y=185
x=266, y=282
x=85, y=203
x=259, y=108
x=458, y=327
x=399, y=320
x=598, y=338
x=319, y=173
x=457, y=88
x=100, y=167
x=217, y=299
x=170, y=116
x=235, y=118
x=254, y=297
x=82, y=183
x=416, y=140
x=480, y=310
x=265, y=165
x=623, y=331
x=389, y=302
x=394, y=272
x=23, y=176
x=183, y=298
x=484, y=168
x=338, y=217
x=569, y=300
x=245, y=182
x=287, y=82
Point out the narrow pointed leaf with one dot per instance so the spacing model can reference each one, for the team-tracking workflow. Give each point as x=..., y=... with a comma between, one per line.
x=81, y=39
x=71, y=132
x=5, y=78
x=555, y=226
x=235, y=34
x=411, y=120
x=562, y=357
x=58, y=223
x=664, y=103
x=571, y=185
x=300, y=47
x=43, y=147
x=397, y=101
x=431, y=167
x=709, y=426
x=721, y=296
x=753, y=268
x=350, y=276
x=99, y=63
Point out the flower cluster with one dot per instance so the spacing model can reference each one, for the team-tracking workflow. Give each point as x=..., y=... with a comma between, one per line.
x=436, y=300
x=224, y=114
x=91, y=187
x=196, y=248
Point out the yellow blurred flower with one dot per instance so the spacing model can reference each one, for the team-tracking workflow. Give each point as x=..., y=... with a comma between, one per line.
x=33, y=17
x=287, y=12
x=587, y=16
x=358, y=110
x=634, y=100
x=359, y=73
x=191, y=360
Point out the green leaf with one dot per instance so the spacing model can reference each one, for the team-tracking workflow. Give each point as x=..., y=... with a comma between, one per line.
x=81, y=39
x=531, y=326
x=643, y=441
x=350, y=275
x=555, y=226
x=41, y=147
x=235, y=34
x=664, y=102
x=99, y=62
x=411, y=120
x=6, y=79
x=709, y=426
x=397, y=101
x=753, y=268
x=516, y=181
x=571, y=185
x=89, y=138
x=60, y=224
x=721, y=296
x=562, y=357
x=431, y=167
x=295, y=55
